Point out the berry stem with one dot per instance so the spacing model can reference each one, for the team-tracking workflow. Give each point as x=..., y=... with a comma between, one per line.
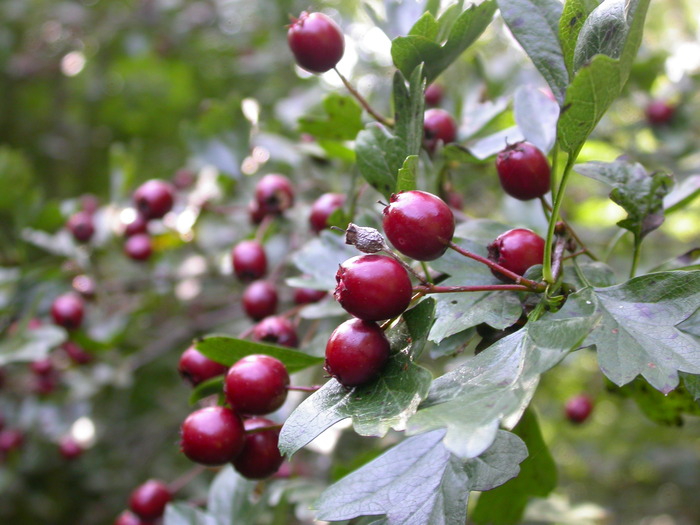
x=584, y=249
x=484, y=288
x=311, y=388
x=635, y=256
x=182, y=481
x=363, y=102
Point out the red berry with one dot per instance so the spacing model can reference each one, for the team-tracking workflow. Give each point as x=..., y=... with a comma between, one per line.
x=255, y=212
x=659, y=112
x=148, y=500
x=260, y=457
x=154, y=198
x=260, y=300
x=276, y=330
x=89, y=203
x=249, y=260
x=516, y=250
x=356, y=352
x=81, y=225
x=257, y=384
x=373, y=287
x=578, y=408
x=212, y=435
x=322, y=208
x=308, y=295
x=184, y=178
x=139, y=247
x=129, y=518
x=274, y=194
x=68, y=310
x=76, y=353
x=43, y=385
x=438, y=126
x=42, y=367
x=316, y=41
x=523, y=171
x=138, y=225
x=195, y=367
x=433, y=95
x=418, y=224
x=70, y=448
x=85, y=286
x=11, y=439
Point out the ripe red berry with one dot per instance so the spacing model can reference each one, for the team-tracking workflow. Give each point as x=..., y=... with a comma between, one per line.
x=276, y=330
x=433, y=95
x=43, y=385
x=274, y=194
x=516, y=250
x=139, y=247
x=81, y=225
x=70, y=448
x=418, y=224
x=42, y=367
x=356, y=352
x=249, y=260
x=260, y=457
x=373, y=287
x=138, y=225
x=195, y=367
x=523, y=171
x=212, y=435
x=154, y=198
x=68, y=310
x=578, y=408
x=260, y=300
x=76, y=353
x=438, y=126
x=255, y=212
x=308, y=295
x=148, y=500
x=322, y=208
x=184, y=178
x=316, y=41
x=129, y=518
x=10, y=439
x=257, y=384
x=89, y=203
x=659, y=112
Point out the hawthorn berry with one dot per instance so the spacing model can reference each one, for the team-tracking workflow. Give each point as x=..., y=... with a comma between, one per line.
x=85, y=286
x=76, y=353
x=212, y=435
x=129, y=518
x=81, y=225
x=249, y=260
x=260, y=300
x=578, y=408
x=523, y=171
x=184, y=178
x=418, y=224
x=308, y=295
x=255, y=213
x=276, y=330
x=433, y=95
x=516, y=250
x=69, y=448
x=438, y=126
x=89, y=203
x=68, y=310
x=139, y=247
x=659, y=112
x=323, y=208
x=274, y=194
x=260, y=457
x=316, y=41
x=42, y=367
x=154, y=198
x=195, y=367
x=256, y=384
x=138, y=225
x=356, y=352
x=148, y=500
x=11, y=439
x=373, y=287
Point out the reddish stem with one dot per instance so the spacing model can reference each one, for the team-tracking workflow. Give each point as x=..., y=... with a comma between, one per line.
x=482, y=288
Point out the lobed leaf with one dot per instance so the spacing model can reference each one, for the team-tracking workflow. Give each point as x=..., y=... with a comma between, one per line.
x=342, y=121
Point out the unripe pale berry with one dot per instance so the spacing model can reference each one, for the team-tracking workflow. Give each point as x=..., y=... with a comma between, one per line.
x=316, y=41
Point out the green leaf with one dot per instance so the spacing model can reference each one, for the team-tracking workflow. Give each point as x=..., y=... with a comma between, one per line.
x=318, y=261
x=637, y=332
x=572, y=19
x=603, y=33
x=665, y=409
x=186, y=514
x=228, y=350
x=230, y=499
x=409, y=103
x=407, y=174
x=342, y=121
x=506, y=504
x=31, y=345
x=426, y=26
x=683, y=194
x=536, y=115
x=418, y=320
x=692, y=384
x=535, y=25
x=689, y=260
x=380, y=155
x=207, y=388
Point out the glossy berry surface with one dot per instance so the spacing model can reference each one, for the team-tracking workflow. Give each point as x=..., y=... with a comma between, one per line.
x=139, y=247
x=308, y=295
x=578, y=408
x=516, y=250
x=256, y=384
x=138, y=225
x=154, y=198
x=82, y=226
x=523, y=171
x=418, y=224
x=274, y=194
x=195, y=367
x=260, y=300
x=373, y=287
x=69, y=448
x=148, y=500
x=433, y=95
x=322, y=208
x=260, y=457
x=212, y=435
x=316, y=42
x=68, y=310
x=659, y=112
x=356, y=352
x=276, y=330
x=438, y=126
x=249, y=260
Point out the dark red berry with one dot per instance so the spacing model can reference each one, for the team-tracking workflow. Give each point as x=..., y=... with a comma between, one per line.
x=274, y=194
x=81, y=225
x=139, y=247
x=523, y=171
x=10, y=440
x=249, y=260
x=356, y=352
x=89, y=203
x=148, y=500
x=76, y=353
x=308, y=295
x=516, y=250
x=257, y=384
x=138, y=225
x=316, y=41
x=43, y=385
x=184, y=178
x=373, y=287
x=154, y=198
x=260, y=457
x=212, y=435
x=438, y=126
x=276, y=330
x=578, y=408
x=255, y=212
x=129, y=518
x=195, y=367
x=68, y=310
x=70, y=448
x=659, y=113
x=418, y=224
x=42, y=367
x=260, y=300
x=323, y=208
x=433, y=95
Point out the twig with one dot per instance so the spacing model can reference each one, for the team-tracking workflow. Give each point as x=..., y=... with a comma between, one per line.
x=363, y=102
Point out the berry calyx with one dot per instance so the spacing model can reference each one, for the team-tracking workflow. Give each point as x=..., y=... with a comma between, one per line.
x=516, y=250
x=659, y=112
x=68, y=310
x=438, y=126
x=276, y=330
x=81, y=225
x=523, y=171
x=316, y=41
x=249, y=260
x=212, y=435
x=260, y=300
x=274, y=194
x=260, y=457
x=433, y=95
x=323, y=208
x=148, y=500
x=256, y=384
x=373, y=287
x=356, y=352
x=578, y=408
x=139, y=247
x=418, y=224
x=195, y=367
x=154, y=198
